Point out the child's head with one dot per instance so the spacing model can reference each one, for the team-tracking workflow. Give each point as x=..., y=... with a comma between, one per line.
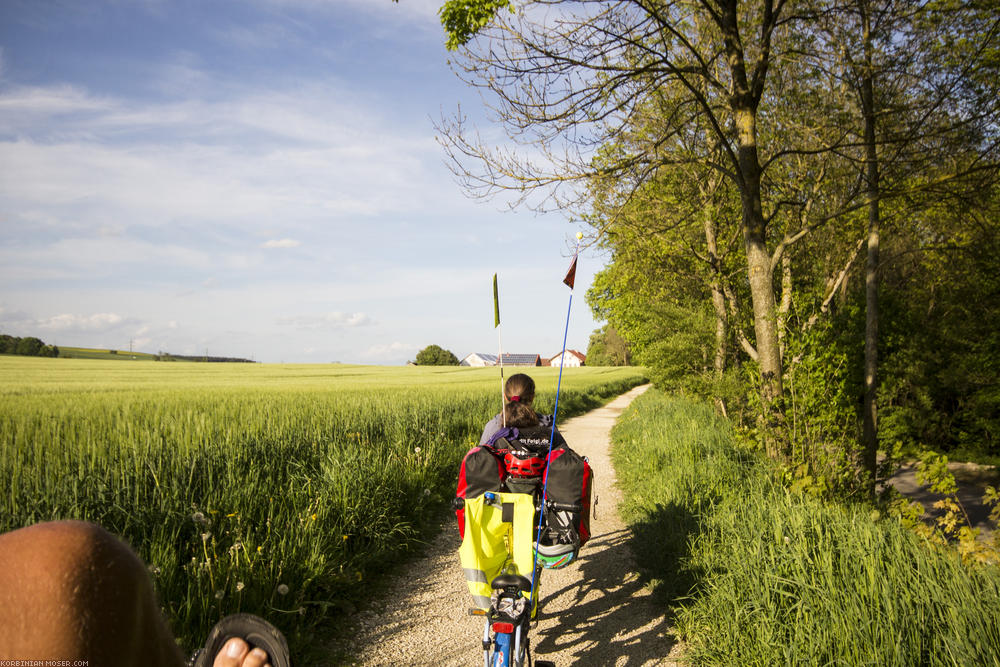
x=519, y=388
x=519, y=415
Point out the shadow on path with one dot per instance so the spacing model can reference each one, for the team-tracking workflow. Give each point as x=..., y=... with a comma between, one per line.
x=603, y=620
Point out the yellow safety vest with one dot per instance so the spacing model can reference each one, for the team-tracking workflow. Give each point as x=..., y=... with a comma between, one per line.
x=498, y=540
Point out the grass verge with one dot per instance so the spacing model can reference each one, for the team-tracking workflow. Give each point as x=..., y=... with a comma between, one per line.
x=755, y=575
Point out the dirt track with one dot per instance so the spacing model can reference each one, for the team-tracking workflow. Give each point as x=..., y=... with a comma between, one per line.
x=594, y=612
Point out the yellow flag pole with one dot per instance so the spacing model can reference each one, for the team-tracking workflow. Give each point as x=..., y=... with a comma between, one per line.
x=496, y=325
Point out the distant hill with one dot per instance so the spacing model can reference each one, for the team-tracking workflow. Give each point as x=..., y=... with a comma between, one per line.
x=90, y=353
x=125, y=355
x=35, y=347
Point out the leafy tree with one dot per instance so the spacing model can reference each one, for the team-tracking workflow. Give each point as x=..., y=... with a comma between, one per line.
x=607, y=348
x=747, y=154
x=434, y=355
x=30, y=346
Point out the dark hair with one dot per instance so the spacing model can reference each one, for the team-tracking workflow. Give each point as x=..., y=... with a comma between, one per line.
x=520, y=386
x=519, y=415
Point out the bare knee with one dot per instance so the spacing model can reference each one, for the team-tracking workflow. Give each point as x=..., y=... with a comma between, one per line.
x=72, y=591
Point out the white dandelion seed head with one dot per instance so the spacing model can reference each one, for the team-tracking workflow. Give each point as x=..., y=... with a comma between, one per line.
x=218, y=595
x=282, y=589
x=239, y=586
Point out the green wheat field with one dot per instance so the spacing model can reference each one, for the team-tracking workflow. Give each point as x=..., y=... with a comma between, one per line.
x=281, y=490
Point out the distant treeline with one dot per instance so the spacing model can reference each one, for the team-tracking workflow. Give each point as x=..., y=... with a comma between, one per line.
x=164, y=356
x=35, y=347
x=28, y=346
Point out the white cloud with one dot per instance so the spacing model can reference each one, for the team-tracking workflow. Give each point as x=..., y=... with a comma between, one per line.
x=48, y=101
x=70, y=322
x=390, y=350
x=333, y=320
x=304, y=154
x=281, y=243
x=385, y=9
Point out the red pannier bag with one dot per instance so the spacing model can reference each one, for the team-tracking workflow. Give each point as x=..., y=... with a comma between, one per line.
x=482, y=470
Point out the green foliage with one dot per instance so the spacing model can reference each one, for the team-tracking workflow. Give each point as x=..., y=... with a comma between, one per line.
x=276, y=490
x=823, y=425
x=607, y=348
x=434, y=355
x=462, y=19
x=941, y=343
x=28, y=346
x=756, y=575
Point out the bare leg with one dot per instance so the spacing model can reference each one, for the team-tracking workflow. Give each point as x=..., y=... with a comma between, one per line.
x=69, y=590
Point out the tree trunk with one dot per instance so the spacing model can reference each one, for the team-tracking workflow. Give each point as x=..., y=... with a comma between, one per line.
x=870, y=433
x=761, y=280
x=718, y=303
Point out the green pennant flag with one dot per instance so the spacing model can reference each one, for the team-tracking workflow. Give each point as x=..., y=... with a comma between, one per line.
x=496, y=303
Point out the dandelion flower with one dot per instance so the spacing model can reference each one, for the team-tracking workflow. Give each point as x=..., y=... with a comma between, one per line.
x=282, y=589
x=346, y=537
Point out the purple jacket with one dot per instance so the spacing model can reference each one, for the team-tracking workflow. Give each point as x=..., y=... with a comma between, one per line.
x=495, y=424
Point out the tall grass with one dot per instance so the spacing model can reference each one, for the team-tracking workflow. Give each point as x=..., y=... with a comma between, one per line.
x=755, y=575
x=278, y=490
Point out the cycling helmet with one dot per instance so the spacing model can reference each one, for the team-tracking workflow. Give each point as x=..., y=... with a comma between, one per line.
x=554, y=554
x=523, y=464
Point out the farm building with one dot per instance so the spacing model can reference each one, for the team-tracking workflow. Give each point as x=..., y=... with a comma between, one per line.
x=574, y=359
x=487, y=359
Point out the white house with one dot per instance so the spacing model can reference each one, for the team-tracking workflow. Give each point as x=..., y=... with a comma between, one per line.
x=479, y=359
x=486, y=359
x=573, y=358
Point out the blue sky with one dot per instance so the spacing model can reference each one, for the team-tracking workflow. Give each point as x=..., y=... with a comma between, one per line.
x=257, y=178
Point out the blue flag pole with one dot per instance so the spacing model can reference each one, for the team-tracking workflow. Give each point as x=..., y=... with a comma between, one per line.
x=570, y=280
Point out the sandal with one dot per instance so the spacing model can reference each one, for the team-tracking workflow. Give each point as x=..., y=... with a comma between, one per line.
x=254, y=630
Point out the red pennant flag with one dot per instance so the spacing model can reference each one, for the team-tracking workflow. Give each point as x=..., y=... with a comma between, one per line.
x=571, y=274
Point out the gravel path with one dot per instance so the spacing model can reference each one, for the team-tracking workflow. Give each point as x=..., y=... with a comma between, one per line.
x=594, y=612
